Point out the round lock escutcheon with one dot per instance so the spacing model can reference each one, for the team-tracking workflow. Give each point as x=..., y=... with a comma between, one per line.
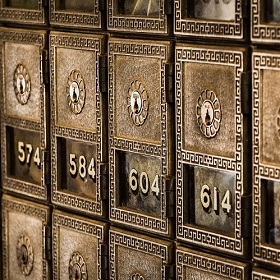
x=137, y=276
x=77, y=267
x=137, y=102
x=25, y=255
x=208, y=113
x=75, y=91
x=22, y=84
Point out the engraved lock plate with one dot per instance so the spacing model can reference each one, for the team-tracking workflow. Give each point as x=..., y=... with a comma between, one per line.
x=195, y=265
x=211, y=18
x=69, y=13
x=140, y=134
x=24, y=12
x=24, y=111
x=211, y=162
x=77, y=252
x=78, y=149
x=266, y=170
x=260, y=274
x=147, y=259
x=265, y=21
x=144, y=16
x=23, y=239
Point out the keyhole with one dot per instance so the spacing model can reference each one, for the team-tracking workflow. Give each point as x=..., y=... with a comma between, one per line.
x=136, y=107
x=207, y=118
x=74, y=95
x=20, y=87
x=24, y=255
x=77, y=275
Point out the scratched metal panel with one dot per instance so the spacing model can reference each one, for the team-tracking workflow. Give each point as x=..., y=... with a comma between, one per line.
x=212, y=160
x=135, y=256
x=266, y=171
x=78, y=122
x=77, y=14
x=265, y=21
x=210, y=18
x=23, y=239
x=138, y=16
x=261, y=274
x=195, y=265
x=140, y=137
x=24, y=112
x=77, y=242
x=24, y=12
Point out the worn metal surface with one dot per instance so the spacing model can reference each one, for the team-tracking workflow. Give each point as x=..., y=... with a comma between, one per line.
x=266, y=104
x=210, y=159
x=260, y=274
x=78, y=122
x=140, y=136
x=23, y=239
x=24, y=112
x=77, y=247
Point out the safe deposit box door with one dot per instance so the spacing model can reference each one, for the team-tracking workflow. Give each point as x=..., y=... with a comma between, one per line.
x=265, y=21
x=139, y=257
x=25, y=239
x=140, y=135
x=78, y=122
x=139, y=16
x=259, y=274
x=77, y=14
x=24, y=12
x=266, y=139
x=195, y=265
x=211, y=18
x=79, y=251
x=24, y=112
x=212, y=158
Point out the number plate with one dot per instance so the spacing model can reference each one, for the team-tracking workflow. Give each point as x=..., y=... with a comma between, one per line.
x=194, y=265
x=25, y=12
x=266, y=112
x=259, y=274
x=211, y=18
x=138, y=16
x=210, y=165
x=265, y=22
x=78, y=14
x=78, y=123
x=140, y=134
x=24, y=231
x=24, y=110
x=77, y=248
x=143, y=252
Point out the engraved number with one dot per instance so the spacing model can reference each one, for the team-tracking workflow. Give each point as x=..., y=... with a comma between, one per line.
x=206, y=200
x=144, y=182
x=25, y=154
x=36, y=157
x=21, y=152
x=91, y=169
x=82, y=167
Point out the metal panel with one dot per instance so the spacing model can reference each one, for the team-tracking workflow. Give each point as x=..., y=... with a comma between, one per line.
x=78, y=246
x=25, y=243
x=140, y=137
x=134, y=256
x=138, y=16
x=78, y=14
x=195, y=265
x=24, y=12
x=259, y=274
x=24, y=112
x=78, y=123
x=212, y=165
x=211, y=18
x=266, y=172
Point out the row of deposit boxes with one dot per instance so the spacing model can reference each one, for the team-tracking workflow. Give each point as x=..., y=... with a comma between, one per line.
x=223, y=19
x=170, y=140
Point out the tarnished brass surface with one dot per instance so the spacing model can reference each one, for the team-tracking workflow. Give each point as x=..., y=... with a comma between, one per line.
x=260, y=274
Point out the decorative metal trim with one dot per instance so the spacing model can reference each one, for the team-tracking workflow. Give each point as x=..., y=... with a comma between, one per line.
x=77, y=267
x=22, y=84
x=137, y=276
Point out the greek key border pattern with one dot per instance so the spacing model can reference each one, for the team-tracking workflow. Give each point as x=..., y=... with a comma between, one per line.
x=78, y=225
x=82, y=19
x=207, y=264
x=189, y=233
x=140, y=244
x=136, y=24
x=19, y=206
x=23, y=16
x=197, y=27
x=256, y=275
x=263, y=32
x=73, y=201
x=15, y=185
x=260, y=62
x=150, y=223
